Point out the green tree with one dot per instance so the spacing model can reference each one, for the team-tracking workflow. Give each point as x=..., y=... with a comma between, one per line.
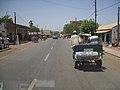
x=69, y=28
x=6, y=18
x=88, y=26
x=31, y=24
x=56, y=33
x=35, y=29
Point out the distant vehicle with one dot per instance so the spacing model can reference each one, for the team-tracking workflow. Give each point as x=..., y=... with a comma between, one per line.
x=55, y=37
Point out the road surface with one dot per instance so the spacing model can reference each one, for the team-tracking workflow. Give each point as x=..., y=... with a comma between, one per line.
x=48, y=65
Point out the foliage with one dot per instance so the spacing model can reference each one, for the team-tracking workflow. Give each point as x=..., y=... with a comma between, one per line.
x=35, y=29
x=74, y=25
x=31, y=23
x=85, y=26
x=88, y=26
x=6, y=19
x=67, y=29
x=56, y=33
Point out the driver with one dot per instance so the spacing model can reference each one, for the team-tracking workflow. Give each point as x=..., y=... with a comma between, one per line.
x=75, y=40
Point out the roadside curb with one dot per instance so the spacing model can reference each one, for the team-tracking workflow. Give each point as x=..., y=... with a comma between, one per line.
x=112, y=52
x=5, y=49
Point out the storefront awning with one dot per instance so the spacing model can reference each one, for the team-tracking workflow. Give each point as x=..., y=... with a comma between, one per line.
x=86, y=34
x=103, y=31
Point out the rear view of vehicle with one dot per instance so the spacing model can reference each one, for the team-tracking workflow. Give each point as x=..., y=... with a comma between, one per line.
x=90, y=53
x=55, y=37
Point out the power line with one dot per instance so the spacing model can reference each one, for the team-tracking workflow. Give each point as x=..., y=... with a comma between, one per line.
x=22, y=18
x=90, y=15
x=103, y=9
x=6, y=11
x=63, y=5
x=105, y=17
x=108, y=7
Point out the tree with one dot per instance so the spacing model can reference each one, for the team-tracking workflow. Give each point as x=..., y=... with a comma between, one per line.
x=56, y=33
x=6, y=18
x=67, y=29
x=35, y=29
x=31, y=24
x=74, y=25
x=88, y=26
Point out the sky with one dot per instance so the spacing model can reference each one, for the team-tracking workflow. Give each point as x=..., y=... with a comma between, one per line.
x=54, y=14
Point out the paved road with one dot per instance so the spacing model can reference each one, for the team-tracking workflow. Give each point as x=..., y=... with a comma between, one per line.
x=51, y=63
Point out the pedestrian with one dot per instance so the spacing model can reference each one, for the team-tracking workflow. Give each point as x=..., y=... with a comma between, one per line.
x=75, y=40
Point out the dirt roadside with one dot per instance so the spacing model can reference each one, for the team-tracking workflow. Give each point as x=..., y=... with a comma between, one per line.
x=14, y=49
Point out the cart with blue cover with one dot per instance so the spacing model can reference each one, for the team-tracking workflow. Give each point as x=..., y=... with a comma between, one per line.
x=88, y=53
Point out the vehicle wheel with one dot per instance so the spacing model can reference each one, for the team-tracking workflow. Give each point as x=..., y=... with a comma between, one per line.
x=76, y=64
x=73, y=56
x=83, y=63
x=99, y=63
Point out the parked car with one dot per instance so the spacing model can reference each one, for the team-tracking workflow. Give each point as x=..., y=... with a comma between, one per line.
x=4, y=42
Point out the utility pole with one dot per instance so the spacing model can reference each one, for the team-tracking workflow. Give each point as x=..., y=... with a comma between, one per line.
x=15, y=23
x=75, y=19
x=118, y=27
x=76, y=23
x=95, y=15
x=16, y=39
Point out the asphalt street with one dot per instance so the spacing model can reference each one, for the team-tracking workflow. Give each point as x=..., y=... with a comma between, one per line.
x=48, y=65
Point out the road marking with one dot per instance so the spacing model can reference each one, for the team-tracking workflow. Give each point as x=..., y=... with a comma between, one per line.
x=54, y=43
x=46, y=57
x=45, y=83
x=51, y=48
x=31, y=86
x=23, y=86
x=1, y=85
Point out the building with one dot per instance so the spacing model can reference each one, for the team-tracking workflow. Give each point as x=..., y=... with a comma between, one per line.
x=46, y=33
x=8, y=30
x=108, y=33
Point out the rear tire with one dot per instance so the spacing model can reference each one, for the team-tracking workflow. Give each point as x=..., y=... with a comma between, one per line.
x=76, y=64
x=99, y=63
x=83, y=63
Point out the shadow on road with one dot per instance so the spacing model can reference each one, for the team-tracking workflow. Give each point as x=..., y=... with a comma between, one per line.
x=90, y=68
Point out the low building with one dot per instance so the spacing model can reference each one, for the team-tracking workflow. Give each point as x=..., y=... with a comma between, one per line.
x=108, y=33
x=46, y=33
x=8, y=30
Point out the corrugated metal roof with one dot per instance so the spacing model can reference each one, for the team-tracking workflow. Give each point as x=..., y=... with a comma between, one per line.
x=107, y=26
x=103, y=31
x=86, y=34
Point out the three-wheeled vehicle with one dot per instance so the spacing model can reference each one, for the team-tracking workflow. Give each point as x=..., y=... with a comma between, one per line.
x=89, y=52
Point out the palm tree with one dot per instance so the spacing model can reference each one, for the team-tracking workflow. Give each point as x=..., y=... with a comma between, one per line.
x=31, y=25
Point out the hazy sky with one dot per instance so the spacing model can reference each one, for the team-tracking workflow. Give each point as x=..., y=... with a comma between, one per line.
x=53, y=14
